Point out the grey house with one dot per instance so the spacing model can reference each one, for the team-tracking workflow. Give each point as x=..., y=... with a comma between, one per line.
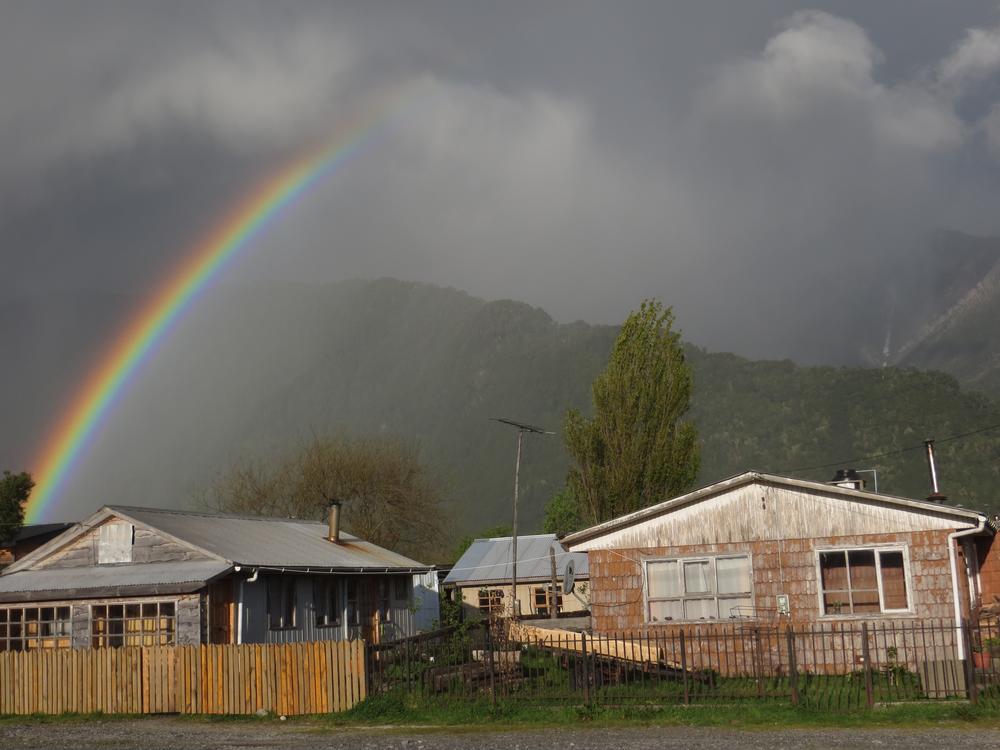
x=143, y=576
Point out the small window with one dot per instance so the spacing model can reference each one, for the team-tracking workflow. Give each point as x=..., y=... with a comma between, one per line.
x=353, y=610
x=490, y=601
x=704, y=588
x=114, y=543
x=401, y=588
x=327, y=601
x=540, y=594
x=863, y=581
x=281, y=602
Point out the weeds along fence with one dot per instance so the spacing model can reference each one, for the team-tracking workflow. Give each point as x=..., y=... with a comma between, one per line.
x=837, y=665
x=303, y=678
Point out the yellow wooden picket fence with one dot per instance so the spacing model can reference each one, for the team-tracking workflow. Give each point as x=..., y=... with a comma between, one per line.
x=287, y=679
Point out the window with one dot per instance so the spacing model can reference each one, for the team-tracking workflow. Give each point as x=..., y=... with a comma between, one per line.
x=863, y=581
x=281, y=602
x=327, y=601
x=490, y=601
x=30, y=628
x=353, y=610
x=133, y=624
x=703, y=588
x=114, y=543
x=541, y=596
x=401, y=588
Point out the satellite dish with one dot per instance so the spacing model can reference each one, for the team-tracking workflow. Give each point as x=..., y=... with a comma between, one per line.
x=569, y=576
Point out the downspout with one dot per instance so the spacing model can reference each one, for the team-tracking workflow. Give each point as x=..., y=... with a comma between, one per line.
x=239, y=614
x=952, y=538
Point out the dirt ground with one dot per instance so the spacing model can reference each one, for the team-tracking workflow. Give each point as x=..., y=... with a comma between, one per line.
x=174, y=734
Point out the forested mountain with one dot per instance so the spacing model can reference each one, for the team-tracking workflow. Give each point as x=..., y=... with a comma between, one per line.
x=254, y=369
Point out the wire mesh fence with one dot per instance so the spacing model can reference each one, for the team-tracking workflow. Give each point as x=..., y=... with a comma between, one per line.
x=837, y=665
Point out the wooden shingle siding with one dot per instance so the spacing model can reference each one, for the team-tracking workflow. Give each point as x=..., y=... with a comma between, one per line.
x=786, y=566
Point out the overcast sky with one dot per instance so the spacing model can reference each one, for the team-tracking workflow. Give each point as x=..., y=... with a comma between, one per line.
x=743, y=161
x=575, y=155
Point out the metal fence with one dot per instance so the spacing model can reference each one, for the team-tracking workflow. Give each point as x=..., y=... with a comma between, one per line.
x=837, y=665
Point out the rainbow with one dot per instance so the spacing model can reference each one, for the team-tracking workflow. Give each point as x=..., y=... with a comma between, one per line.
x=240, y=225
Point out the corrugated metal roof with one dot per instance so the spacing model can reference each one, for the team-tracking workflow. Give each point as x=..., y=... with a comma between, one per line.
x=257, y=541
x=196, y=572
x=489, y=560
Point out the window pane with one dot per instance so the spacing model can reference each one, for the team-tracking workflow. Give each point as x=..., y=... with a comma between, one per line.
x=865, y=600
x=734, y=607
x=700, y=609
x=836, y=603
x=833, y=570
x=862, y=565
x=696, y=579
x=664, y=611
x=663, y=580
x=893, y=580
x=733, y=574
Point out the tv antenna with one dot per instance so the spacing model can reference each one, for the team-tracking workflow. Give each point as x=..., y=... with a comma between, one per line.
x=522, y=428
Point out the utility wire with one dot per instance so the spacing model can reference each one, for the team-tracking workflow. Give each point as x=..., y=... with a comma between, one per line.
x=920, y=445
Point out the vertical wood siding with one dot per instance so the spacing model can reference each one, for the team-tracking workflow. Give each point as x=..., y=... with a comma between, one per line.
x=305, y=678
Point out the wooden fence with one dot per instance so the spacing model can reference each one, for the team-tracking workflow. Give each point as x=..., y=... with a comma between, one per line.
x=303, y=678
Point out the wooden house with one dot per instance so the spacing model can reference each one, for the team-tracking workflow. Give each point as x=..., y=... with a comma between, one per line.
x=482, y=577
x=765, y=549
x=142, y=576
x=27, y=539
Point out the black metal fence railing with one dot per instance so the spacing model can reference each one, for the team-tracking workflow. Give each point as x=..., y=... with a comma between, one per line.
x=836, y=665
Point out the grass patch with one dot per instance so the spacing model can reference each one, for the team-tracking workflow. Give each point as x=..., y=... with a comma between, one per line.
x=410, y=711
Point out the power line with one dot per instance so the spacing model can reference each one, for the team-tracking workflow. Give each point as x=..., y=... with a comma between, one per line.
x=897, y=452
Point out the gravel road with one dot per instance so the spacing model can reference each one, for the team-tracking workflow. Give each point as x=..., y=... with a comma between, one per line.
x=174, y=734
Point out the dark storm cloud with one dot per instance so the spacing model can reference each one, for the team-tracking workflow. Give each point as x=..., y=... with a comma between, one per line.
x=746, y=162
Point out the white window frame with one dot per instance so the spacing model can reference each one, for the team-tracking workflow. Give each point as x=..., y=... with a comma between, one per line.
x=680, y=560
x=877, y=548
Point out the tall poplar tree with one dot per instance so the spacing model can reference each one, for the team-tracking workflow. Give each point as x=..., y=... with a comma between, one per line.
x=637, y=450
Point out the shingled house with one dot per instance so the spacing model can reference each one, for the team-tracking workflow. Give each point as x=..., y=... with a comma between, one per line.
x=771, y=549
x=142, y=576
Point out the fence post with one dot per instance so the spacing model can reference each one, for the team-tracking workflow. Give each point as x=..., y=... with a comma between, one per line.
x=586, y=670
x=489, y=659
x=684, y=670
x=793, y=667
x=867, y=658
x=970, y=667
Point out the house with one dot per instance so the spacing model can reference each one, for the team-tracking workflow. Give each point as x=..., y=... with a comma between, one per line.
x=765, y=549
x=142, y=576
x=482, y=576
x=27, y=539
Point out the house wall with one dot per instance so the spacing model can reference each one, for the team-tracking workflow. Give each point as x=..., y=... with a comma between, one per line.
x=779, y=567
x=147, y=547
x=401, y=621
x=188, y=619
x=988, y=549
x=575, y=602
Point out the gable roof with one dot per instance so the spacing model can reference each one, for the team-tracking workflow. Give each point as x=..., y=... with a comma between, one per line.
x=250, y=541
x=951, y=512
x=489, y=561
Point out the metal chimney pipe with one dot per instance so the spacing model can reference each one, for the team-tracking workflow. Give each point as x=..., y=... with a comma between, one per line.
x=929, y=448
x=333, y=521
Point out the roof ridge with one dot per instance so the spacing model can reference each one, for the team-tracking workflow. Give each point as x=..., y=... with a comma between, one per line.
x=214, y=514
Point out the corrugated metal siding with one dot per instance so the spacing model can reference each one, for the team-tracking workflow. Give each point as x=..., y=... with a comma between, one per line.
x=402, y=620
x=763, y=512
